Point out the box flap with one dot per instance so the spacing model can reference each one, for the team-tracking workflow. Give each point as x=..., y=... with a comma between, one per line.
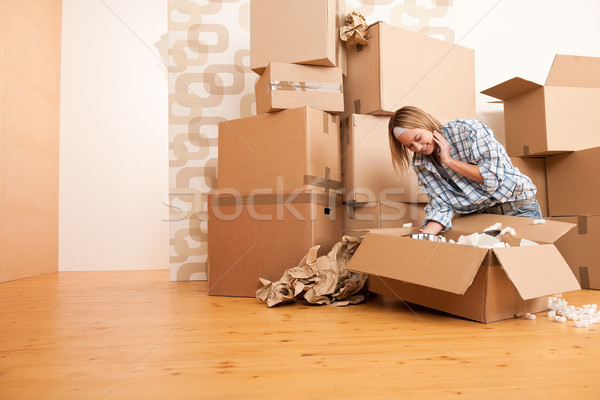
x=537, y=270
x=547, y=232
x=511, y=88
x=443, y=266
x=574, y=71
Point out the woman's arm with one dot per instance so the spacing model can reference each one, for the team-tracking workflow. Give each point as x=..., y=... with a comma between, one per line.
x=470, y=171
x=432, y=227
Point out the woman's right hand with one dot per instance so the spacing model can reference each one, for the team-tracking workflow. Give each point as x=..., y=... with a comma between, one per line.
x=433, y=227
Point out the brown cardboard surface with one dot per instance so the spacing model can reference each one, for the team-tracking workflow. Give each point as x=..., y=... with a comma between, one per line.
x=579, y=247
x=535, y=168
x=280, y=152
x=360, y=216
x=574, y=183
x=539, y=120
x=303, y=32
x=484, y=289
x=367, y=170
x=261, y=238
x=536, y=270
x=400, y=67
x=284, y=86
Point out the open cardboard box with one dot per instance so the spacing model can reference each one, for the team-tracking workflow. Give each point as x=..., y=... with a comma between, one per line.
x=475, y=283
x=541, y=120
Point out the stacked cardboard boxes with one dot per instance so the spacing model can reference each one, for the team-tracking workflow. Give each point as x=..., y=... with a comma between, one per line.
x=396, y=68
x=552, y=121
x=279, y=172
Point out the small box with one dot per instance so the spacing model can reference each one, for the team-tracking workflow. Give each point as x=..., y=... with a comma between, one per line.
x=296, y=31
x=280, y=152
x=579, y=247
x=574, y=183
x=399, y=67
x=261, y=236
x=535, y=168
x=285, y=86
x=471, y=282
x=553, y=118
x=367, y=170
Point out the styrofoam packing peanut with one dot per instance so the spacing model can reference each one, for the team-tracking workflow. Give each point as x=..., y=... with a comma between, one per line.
x=407, y=225
x=551, y=314
x=497, y=225
x=539, y=221
x=530, y=316
x=580, y=324
x=560, y=319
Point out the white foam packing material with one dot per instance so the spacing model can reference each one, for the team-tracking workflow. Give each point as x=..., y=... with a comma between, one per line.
x=539, y=221
x=407, y=225
x=583, y=317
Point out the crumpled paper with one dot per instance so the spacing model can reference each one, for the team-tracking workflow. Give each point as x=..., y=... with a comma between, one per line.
x=355, y=30
x=319, y=280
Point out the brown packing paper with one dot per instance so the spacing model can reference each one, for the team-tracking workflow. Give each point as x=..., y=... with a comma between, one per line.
x=356, y=29
x=320, y=280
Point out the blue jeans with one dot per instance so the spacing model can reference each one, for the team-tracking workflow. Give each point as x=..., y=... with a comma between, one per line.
x=531, y=210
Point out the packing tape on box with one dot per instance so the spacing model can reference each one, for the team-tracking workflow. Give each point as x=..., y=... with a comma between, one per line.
x=227, y=199
x=322, y=182
x=584, y=277
x=305, y=86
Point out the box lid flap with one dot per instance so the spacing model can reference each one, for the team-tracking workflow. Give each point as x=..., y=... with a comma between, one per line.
x=511, y=88
x=444, y=266
x=574, y=71
x=547, y=232
x=537, y=270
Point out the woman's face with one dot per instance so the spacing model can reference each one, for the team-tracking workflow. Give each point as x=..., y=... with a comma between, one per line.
x=418, y=140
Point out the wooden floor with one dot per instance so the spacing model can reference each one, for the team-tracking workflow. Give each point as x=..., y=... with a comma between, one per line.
x=135, y=335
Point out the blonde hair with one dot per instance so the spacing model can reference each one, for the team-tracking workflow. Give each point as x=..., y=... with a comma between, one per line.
x=408, y=117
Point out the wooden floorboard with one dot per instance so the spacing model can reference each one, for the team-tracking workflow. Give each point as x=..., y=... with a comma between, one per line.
x=135, y=335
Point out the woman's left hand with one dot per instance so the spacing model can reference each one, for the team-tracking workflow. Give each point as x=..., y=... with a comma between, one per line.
x=444, y=146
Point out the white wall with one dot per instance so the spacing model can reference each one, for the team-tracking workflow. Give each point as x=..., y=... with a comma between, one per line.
x=114, y=136
x=520, y=38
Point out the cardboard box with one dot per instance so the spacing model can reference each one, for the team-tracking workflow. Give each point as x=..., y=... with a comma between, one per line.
x=475, y=283
x=378, y=214
x=579, y=247
x=261, y=236
x=280, y=152
x=542, y=120
x=399, y=67
x=285, y=86
x=535, y=168
x=367, y=170
x=296, y=31
x=574, y=183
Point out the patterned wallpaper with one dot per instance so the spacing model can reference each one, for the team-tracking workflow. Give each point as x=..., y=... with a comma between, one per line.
x=210, y=81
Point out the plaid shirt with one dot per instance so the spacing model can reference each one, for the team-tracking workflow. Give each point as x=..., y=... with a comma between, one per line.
x=474, y=143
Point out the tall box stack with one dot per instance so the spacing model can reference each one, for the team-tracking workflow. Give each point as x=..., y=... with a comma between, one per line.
x=552, y=121
x=279, y=172
x=396, y=68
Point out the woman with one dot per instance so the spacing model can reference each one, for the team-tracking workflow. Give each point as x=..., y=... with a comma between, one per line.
x=461, y=166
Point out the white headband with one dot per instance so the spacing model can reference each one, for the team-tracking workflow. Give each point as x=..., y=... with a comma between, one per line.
x=399, y=131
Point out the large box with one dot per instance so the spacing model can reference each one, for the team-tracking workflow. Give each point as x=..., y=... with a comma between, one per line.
x=579, y=247
x=296, y=31
x=381, y=214
x=475, y=283
x=399, y=67
x=535, y=168
x=554, y=118
x=284, y=86
x=574, y=183
x=261, y=236
x=367, y=170
x=280, y=152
